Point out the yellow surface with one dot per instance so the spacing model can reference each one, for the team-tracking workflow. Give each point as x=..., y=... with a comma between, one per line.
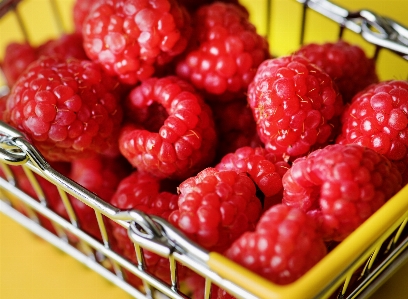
x=31, y=268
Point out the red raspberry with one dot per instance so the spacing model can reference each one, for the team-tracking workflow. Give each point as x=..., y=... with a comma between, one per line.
x=216, y=207
x=235, y=126
x=17, y=58
x=100, y=175
x=80, y=11
x=194, y=5
x=377, y=118
x=69, y=108
x=181, y=146
x=295, y=105
x=341, y=186
x=346, y=64
x=66, y=46
x=224, y=52
x=130, y=38
x=143, y=192
x=284, y=246
x=265, y=169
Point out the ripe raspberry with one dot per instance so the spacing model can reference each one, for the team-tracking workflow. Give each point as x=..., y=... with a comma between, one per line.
x=80, y=11
x=224, y=52
x=69, y=108
x=235, y=126
x=378, y=118
x=100, y=175
x=66, y=46
x=216, y=207
x=181, y=146
x=341, y=186
x=130, y=38
x=143, y=192
x=346, y=64
x=295, y=105
x=17, y=58
x=284, y=246
x=265, y=169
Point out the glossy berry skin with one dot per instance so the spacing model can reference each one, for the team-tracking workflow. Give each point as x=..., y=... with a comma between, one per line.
x=180, y=146
x=143, y=192
x=283, y=247
x=224, y=52
x=80, y=11
x=346, y=64
x=68, y=108
x=216, y=207
x=340, y=186
x=100, y=175
x=265, y=169
x=378, y=118
x=131, y=38
x=295, y=105
x=17, y=57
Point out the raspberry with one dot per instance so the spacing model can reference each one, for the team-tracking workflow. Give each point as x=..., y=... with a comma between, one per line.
x=181, y=146
x=265, y=169
x=100, y=175
x=80, y=11
x=224, y=52
x=216, y=207
x=341, y=186
x=235, y=126
x=17, y=58
x=377, y=118
x=284, y=246
x=295, y=105
x=68, y=108
x=143, y=192
x=131, y=38
x=346, y=64
x=66, y=46
x=194, y=5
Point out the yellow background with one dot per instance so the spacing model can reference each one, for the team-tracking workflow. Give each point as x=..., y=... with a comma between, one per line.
x=31, y=268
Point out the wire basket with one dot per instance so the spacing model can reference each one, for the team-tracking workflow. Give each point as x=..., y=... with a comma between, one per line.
x=353, y=269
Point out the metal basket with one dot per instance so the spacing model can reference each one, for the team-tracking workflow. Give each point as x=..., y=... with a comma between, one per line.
x=353, y=269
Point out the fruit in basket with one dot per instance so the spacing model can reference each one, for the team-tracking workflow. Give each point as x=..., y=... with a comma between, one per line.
x=180, y=146
x=284, y=246
x=235, y=125
x=17, y=57
x=223, y=53
x=215, y=207
x=295, y=104
x=146, y=193
x=130, y=39
x=69, y=109
x=378, y=118
x=265, y=169
x=340, y=186
x=100, y=175
x=345, y=63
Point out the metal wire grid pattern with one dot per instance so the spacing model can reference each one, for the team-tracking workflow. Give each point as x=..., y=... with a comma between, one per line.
x=153, y=233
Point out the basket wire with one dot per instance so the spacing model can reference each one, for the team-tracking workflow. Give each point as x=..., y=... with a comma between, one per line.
x=377, y=257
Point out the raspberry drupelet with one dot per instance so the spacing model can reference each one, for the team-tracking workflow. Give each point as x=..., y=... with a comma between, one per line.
x=346, y=64
x=131, y=38
x=340, y=186
x=216, y=207
x=68, y=108
x=224, y=52
x=283, y=247
x=265, y=169
x=146, y=193
x=295, y=104
x=66, y=46
x=378, y=118
x=180, y=146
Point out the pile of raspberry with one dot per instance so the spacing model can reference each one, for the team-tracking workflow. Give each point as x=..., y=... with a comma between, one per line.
x=178, y=109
